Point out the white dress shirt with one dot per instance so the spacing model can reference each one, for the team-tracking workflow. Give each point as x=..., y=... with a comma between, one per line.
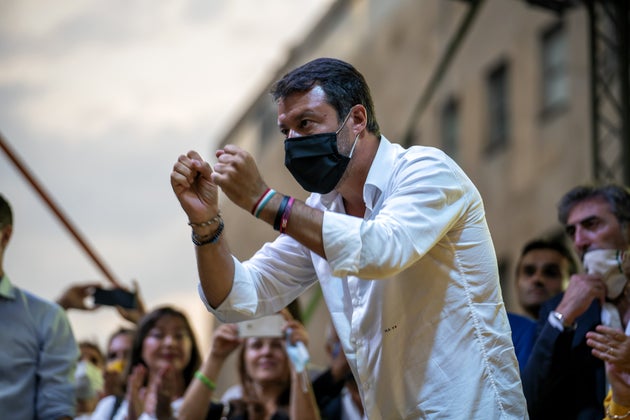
x=429, y=343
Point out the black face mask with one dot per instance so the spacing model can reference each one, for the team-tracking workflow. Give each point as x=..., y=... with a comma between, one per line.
x=315, y=162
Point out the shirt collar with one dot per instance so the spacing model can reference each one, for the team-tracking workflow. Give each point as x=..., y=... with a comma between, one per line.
x=375, y=181
x=7, y=291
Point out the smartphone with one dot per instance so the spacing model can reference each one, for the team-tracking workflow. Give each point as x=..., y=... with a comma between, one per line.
x=267, y=326
x=115, y=297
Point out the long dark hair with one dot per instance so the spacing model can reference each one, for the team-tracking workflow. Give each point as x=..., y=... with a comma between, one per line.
x=147, y=323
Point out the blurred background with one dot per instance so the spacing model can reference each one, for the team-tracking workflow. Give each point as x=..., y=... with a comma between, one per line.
x=99, y=98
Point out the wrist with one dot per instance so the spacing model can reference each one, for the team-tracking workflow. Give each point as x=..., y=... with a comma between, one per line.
x=205, y=232
x=215, y=359
x=560, y=321
x=208, y=383
x=262, y=201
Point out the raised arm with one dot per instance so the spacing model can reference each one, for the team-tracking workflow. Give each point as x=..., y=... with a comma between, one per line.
x=200, y=392
x=197, y=193
x=303, y=404
x=238, y=176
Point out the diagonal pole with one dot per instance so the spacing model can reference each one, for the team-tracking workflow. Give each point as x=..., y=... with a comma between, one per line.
x=57, y=210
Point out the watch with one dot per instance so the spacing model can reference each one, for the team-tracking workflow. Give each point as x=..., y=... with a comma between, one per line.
x=557, y=315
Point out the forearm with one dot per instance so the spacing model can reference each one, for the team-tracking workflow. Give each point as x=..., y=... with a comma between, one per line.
x=199, y=395
x=216, y=269
x=303, y=405
x=304, y=222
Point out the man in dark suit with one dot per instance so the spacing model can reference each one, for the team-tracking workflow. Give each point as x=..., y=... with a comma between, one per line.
x=562, y=379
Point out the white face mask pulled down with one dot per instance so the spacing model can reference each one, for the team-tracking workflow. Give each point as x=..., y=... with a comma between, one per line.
x=89, y=380
x=608, y=264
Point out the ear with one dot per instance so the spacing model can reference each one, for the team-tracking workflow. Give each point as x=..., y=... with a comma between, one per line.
x=5, y=233
x=359, y=119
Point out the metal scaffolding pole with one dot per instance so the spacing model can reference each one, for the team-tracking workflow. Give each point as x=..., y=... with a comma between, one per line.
x=610, y=89
x=65, y=220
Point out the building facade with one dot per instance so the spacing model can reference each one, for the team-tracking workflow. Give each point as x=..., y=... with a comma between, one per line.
x=500, y=85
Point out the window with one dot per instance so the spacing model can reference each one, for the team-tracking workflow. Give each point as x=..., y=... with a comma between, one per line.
x=554, y=77
x=269, y=130
x=498, y=108
x=449, y=125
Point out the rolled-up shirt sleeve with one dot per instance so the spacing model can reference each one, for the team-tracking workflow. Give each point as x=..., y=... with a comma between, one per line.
x=240, y=304
x=275, y=276
x=342, y=254
x=428, y=199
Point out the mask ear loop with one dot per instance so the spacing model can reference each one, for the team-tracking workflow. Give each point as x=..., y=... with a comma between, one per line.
x=353, y=145
x=344, y=122
x=355, y=139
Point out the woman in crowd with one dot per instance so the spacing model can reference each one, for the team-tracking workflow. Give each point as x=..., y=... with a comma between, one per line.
x=163, y=361
x=272, y=389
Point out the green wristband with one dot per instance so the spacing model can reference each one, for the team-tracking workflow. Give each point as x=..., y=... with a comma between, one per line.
x=205, y=380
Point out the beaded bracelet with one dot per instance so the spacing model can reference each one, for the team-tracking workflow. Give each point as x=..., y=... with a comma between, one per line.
x=285, y=215
x=205, y=380
x=200, y=240
x=215, y=219
x=278, y=219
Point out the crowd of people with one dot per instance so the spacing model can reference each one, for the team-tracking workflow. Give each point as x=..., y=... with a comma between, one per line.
x=436, y=344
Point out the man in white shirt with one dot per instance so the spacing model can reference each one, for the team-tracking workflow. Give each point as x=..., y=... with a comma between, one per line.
x=435, y=345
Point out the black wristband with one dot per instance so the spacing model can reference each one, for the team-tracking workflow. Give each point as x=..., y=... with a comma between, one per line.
x=283, y=205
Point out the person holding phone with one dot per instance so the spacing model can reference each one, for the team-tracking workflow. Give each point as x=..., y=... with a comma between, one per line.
x=128, y=303
x=376, y=209
x=271, y=387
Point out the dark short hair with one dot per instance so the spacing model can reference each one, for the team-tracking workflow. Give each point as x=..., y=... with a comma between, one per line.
x=617, y=196
x=94, y=346
x=144, y=327
x=552, y=244
x=343, y=85
x=6, y=215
